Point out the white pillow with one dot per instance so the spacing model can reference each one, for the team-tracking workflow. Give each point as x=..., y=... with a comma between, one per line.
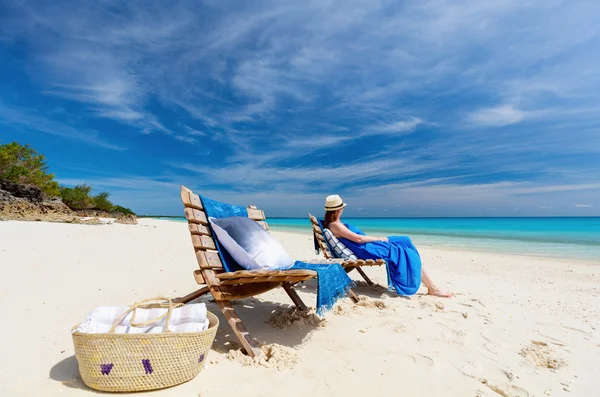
x=249, y=244
x=339, y=249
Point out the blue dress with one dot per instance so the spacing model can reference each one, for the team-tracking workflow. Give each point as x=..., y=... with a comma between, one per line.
x=402, y=258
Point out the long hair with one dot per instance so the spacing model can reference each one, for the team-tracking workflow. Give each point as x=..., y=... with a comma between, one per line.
x=330, y=216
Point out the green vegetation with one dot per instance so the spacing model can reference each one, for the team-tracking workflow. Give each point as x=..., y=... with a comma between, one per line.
x=22, y=164
x=123, y=210
x=102, y=202
x=78, y=197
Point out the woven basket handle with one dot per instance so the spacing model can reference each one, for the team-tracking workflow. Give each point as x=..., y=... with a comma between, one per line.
x=162, y=301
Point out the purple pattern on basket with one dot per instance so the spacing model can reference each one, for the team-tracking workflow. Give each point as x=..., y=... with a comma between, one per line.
x=201, y=359
x=105, y=368
x=147, y=366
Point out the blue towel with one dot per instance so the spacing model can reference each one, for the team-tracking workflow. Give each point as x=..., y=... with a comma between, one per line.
x=216, y=209
x=333, y=282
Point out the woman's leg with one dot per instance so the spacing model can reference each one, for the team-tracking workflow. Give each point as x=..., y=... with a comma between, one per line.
x=432, y=289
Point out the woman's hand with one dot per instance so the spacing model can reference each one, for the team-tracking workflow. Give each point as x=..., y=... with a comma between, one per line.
x=384, y=239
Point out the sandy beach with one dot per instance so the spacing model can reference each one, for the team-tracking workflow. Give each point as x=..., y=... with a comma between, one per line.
x=518, y=326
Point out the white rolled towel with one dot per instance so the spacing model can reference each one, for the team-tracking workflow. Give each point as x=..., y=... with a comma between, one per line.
x=188, y=318
x=128, y=329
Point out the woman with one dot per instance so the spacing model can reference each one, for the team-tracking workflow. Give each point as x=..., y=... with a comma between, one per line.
x=405, y=272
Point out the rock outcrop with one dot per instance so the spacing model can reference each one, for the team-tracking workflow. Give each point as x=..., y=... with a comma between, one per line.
x=126, y=219
x=29, y=203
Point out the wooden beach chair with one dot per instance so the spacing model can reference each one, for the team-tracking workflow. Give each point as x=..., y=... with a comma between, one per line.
x=227, y=286
x=347, y=265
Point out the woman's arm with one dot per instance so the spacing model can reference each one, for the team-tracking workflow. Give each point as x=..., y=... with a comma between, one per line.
x=340, y=231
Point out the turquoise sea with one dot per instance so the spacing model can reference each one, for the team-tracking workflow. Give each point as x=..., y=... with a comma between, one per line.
x=576, y=238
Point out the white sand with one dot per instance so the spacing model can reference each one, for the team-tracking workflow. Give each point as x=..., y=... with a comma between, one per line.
x=53, y=274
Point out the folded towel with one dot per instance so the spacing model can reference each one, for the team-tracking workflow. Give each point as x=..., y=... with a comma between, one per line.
x=128, y=329
x=188, y=318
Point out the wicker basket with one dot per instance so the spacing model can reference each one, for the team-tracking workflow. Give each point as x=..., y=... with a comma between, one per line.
x=136, y=362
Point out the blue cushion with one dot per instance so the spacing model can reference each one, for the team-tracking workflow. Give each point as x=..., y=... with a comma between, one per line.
x=249, y=244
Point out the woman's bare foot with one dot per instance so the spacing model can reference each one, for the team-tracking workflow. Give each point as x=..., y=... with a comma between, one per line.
x=440, y=293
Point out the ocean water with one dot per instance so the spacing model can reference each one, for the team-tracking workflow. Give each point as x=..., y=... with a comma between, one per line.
x=576, y=238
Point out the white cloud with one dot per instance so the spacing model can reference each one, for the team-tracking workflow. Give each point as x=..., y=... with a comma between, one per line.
x=194, y=132
x=30, y=119
x=497, y=116
x=398, y=127
x=582, y=205
x=185, y=139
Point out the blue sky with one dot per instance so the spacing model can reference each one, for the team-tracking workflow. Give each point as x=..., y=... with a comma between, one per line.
x=429, y=108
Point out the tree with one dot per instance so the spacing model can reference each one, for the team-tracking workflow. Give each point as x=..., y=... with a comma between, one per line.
x=22, y=164
x=77, y=198
x=102, y=203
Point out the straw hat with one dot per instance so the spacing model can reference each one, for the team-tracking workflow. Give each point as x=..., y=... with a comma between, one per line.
x=334, y=202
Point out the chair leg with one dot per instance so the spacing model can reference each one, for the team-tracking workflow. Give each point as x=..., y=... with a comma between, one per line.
x=247, y=341
x=294, y=296
x=352, y=296
x=364, y=275
x=194, y=295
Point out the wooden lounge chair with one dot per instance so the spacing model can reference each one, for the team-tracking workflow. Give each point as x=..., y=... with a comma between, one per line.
x=227, y=286
x=347, y=265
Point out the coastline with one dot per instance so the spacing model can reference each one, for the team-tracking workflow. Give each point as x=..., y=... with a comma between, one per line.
x=436, y=248
x=583, y=245
x=519, y=325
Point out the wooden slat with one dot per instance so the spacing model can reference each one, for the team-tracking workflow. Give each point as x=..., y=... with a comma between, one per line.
x=195, y=216
x=270, y=279
x=317, y=229
x=212, y=281
x=203, y=242
x=263, y=224
x=195, y=201
x=208, y=259
x=197, y=228
x=190, y=199
x=256, y=214
x=198, y=276
x=213, y=259
x=185, y=194
x=267, y=273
